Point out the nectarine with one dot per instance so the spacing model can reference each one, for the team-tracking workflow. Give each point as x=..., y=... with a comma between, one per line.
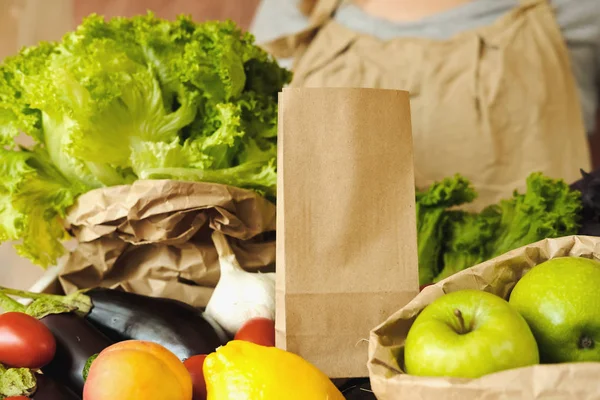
x=137, y=370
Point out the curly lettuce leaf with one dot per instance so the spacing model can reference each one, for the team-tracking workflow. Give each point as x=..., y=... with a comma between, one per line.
x=34, y=197
x=16, y=114
x=253, y=175
x=467, y=239
x=431, y=206
x=549, y=208
x=17, y=382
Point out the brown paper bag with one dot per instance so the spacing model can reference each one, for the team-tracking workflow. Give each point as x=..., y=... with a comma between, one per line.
x=498, y=276
x=346, y=245
x=154, y=237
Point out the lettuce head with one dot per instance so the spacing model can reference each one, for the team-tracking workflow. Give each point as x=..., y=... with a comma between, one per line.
x=125, y=99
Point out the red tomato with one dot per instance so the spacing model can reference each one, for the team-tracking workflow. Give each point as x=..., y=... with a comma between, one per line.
x=194, y=365
x=258, y=330
x=24, y=341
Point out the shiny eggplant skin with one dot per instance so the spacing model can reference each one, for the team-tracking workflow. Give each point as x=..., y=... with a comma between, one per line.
x=48, y=389
x=357, y=389
x=173, y=324
x=361, y=391
x=76, y=341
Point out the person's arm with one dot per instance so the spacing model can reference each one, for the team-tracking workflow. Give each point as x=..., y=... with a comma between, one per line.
x=276, y=18
x=580, y=24
x=594, y=139
x=594, y=142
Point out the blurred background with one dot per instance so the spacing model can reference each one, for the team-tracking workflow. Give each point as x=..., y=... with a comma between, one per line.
x=26, y=22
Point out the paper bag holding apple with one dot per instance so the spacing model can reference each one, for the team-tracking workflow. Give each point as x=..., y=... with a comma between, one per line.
x=497, y=276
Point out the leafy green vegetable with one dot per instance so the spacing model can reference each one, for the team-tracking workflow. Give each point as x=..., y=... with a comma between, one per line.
x=16, y=382
x=453, y=240
x=33, y=199
x=126, y=99
x=467, y=240
x=431, y=206
x=88, y=365
x=549, y=208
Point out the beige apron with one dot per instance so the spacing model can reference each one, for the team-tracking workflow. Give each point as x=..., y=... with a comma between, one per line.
x=493, y=104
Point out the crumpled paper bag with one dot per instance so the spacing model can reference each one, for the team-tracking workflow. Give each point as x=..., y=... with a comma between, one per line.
x=154, y=237
x=499, y=275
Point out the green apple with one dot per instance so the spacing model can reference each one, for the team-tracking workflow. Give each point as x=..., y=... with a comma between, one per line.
x=560, y=300
x=468, y=334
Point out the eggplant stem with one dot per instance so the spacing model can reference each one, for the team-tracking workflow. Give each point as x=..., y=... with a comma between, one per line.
x=29, y=295
x=78, y=301
x=10, y=305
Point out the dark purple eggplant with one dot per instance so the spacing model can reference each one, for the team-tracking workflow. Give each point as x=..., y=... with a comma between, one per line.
x=76, y=341
x=177, y=326
x=119, y=315
x=48, y=389
x=357, y=389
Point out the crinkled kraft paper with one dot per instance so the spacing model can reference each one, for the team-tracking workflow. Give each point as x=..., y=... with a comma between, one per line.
x=559, y=381
x=154, y=237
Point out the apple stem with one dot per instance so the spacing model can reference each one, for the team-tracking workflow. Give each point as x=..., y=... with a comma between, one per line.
x=461, y=321
x=586, y=342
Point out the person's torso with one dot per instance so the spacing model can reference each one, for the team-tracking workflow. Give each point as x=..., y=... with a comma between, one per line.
x=581, y=34
x=494, y=103
x=579, y=21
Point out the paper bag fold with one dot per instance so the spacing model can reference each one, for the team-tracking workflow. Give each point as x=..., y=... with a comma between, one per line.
x=154, y=237
x=498, y=276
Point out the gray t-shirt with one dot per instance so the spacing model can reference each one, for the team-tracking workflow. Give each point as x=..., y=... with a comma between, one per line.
x=579, y=21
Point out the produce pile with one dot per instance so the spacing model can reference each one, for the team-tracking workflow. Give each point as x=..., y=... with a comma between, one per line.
x=450, y=240
x=144, y=98
x=550, y=316
x=100, y=343
x=127, y=99
x=105, y=344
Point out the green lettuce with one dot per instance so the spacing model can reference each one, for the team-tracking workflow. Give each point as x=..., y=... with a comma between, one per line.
x=431, y=206
x=34, y=197
x=451, y=240
x=131, y=98
x=468, y=239
x=549, y=208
